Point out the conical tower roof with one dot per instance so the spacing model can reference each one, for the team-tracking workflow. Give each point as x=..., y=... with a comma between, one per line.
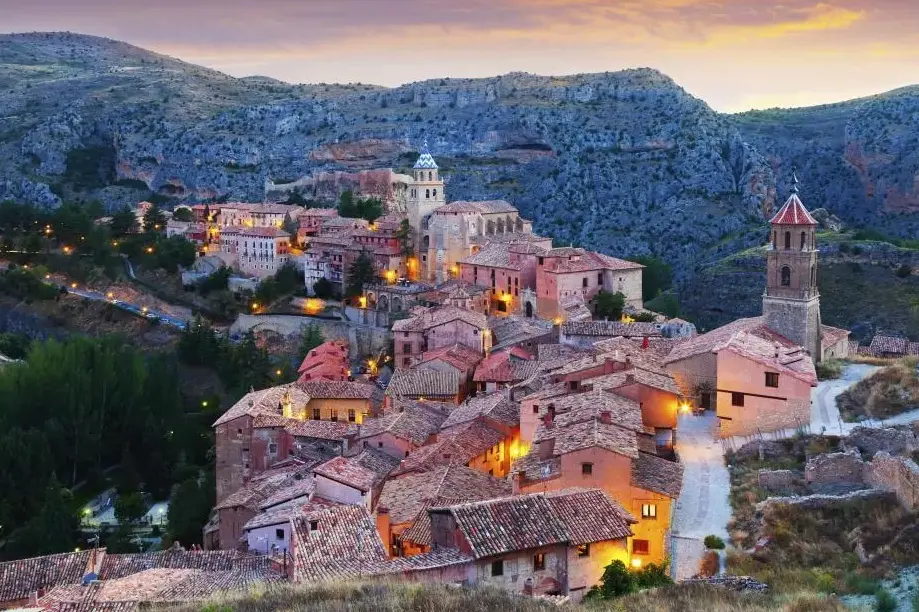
x=425, y=160
x=793, y=212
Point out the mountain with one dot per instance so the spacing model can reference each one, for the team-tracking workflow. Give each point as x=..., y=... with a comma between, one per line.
x=625, y=162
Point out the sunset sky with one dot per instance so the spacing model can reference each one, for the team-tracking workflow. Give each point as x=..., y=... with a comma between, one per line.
x=735, y=54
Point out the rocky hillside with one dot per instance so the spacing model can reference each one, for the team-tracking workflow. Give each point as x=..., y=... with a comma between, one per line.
x=625, y=162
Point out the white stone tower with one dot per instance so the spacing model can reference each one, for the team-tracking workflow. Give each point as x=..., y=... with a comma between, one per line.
x=425, y=195
x=791, y=304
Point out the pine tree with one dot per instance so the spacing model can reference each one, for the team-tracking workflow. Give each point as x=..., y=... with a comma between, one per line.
x=360, y=273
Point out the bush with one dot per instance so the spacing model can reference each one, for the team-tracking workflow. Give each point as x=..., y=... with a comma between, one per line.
x=884, y=601
x=713, y=542
x=829, y=370
x=616, y=581
x=652, y=576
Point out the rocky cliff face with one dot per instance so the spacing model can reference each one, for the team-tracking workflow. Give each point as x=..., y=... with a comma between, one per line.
x=626, y=162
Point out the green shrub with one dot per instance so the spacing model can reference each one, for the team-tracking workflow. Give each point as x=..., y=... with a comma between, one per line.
x=713, y=542
x=884, y=601
x=829, y=370
x=652, y=576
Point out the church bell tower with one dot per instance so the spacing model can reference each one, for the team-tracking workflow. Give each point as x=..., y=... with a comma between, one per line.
x=791, y=304
x=425, y=195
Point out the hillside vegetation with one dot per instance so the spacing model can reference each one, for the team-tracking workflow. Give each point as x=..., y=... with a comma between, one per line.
x=399, y=597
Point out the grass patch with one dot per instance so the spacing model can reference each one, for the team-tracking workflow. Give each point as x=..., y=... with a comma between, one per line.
x=829, y=370
x=886, y=393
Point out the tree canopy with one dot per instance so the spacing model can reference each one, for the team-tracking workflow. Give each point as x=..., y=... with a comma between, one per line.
x=657, y=277
x=608, y=305
x=360, y=273
x=352, y=207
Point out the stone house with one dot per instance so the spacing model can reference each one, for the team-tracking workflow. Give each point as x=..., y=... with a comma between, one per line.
x=554, y=543
x=425, y=384
x=409, y=425
x=477, y=420
x=507, y=268
x=504, y=368
x=405, y=499
x=458, y=359
x=354, y=480
x=328, y=361
x=431, y=328
x=755, y=380
x=566, y=271
x=605, y=445
x=260, y=251
x=310, y=222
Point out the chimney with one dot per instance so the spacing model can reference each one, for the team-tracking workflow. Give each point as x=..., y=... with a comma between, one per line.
x=384, y=528
x=629, y=379
x=546, y=448
x=518, y=482
x=606, y=417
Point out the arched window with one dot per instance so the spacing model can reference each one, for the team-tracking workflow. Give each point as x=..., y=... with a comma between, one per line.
x=430, y=175
x=786, y=276
x=787, y=240
x=435, y=194
x=775, y=240
x=803, y=240
x=427, y=194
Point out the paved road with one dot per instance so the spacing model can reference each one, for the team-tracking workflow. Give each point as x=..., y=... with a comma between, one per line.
x=703, y=506
x=141, y=311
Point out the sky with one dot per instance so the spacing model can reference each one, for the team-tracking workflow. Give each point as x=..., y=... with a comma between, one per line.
x=734, y=54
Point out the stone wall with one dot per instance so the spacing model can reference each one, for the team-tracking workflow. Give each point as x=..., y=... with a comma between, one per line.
x=777, y=480
x=820, y=500
x=899, y=475
x=894, y=440
x=362, y=339
x=835, y=469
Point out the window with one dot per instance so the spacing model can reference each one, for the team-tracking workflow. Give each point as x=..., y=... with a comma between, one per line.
x=649, y=511
x=239, y=432
x=316, y=414
x=497, y=568
x=584, y=550
x=736, y=399
x=640, y=547
x=572, y=385
x=314, y=525
x=786, y=276
x=584, y=282
x=587, y=469
x=334, y=417
x=407, y=361
x=540, y=260
x=787, y=240
x=599, y=278
x=351, y=415
x=406, y=348
x=379, y=445
x=535, y=409
x=278, y=534
x=772, y=379
x=803, y=240
x=539, y=561
x=272, y=447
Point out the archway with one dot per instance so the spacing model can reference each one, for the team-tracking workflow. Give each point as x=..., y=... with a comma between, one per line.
x=383, y=303
x=529, y=310
x=786, y=276
x=396, y=304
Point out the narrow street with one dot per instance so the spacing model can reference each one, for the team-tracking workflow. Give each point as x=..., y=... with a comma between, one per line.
x=703, y=507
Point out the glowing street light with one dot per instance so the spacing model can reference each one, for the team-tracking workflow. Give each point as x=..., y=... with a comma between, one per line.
x=278, y=372
x=636, y=563
x=67, y=250
x=149, y=250
x=73, y=285
x=204, y=403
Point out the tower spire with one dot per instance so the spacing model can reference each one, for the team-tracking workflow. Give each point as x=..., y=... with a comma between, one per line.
x=794, y=179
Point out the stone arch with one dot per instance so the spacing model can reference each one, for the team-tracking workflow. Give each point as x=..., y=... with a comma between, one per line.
x=528, y=308
x=383, y=303
x=519, y=224
x=803, y=240
x=396, y=304
x=500, y=225
x=786, y=276
x=371, y=299
x=425, y=242
x=490, y=227
x=509, y=224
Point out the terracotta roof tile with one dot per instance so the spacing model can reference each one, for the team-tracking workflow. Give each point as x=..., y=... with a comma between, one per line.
x=889, y=344
x=656, y=380
x=495, y=406
x=525, y=522
x=569, y=259
x=793, y=213
x=492, y=256
x=412, y=423
x=429, y=318
x=657, y=474
x=121, y=565
x=483, y=207
x=504, y=367
x=788, y=360
x=610, y=329
x=423, y=383
x=459, y=356
x=344, y=544
x=19, y=579
x=363, y=471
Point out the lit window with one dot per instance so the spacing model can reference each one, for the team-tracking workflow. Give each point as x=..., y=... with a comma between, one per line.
x=539, y=561
x=640, y=547
x=649, y=511
x=351, y=416
x=584, y=550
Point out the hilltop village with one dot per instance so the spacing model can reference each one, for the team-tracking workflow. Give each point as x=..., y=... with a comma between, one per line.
x=521, y=438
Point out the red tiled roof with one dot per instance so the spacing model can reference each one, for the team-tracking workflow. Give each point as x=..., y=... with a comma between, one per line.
x=504, y=366
x=19, y=579
x=789, y=360
x=337, y=389
x=611, y=329
x=793, y=213
x=412, y=423
x=262, y=232
x=568, y=259
x=459, y=356
x=433, y=317
x=890, y=345
x=424, y=383
x=483, y=207
x=496, y=406
x=121, y=565
x=525, y=522
x=344, y=543
x=657, y=474
x=362, y=472
x=405, y=496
